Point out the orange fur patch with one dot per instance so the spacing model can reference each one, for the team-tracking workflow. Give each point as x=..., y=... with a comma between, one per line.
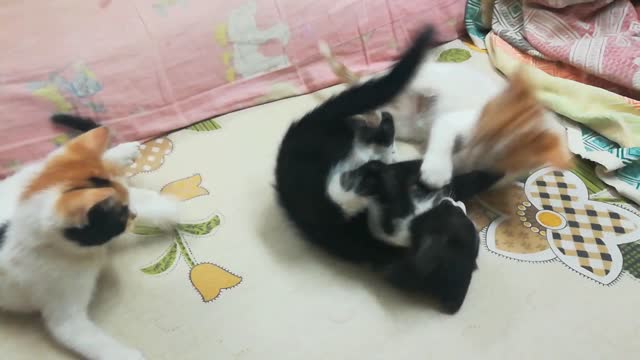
x=517, y=116
x=74, y=205
x=71, y=172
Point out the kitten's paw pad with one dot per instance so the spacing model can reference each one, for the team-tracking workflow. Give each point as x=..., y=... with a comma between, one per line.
x=436, y=174
x=124, y=154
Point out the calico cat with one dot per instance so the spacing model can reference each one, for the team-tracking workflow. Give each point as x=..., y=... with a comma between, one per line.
x=442, y=241
x=58, y=218
x=329, y=141
x=445, y=106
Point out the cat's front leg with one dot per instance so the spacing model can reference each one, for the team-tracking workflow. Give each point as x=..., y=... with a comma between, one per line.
x=436, y=170
x=123, y=154
x=448, y=132
x=72, y=328
x=153, y=208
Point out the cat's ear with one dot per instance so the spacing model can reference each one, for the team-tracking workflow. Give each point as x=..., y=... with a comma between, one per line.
x=95, y=141
x=73, y=206
x=386, y=130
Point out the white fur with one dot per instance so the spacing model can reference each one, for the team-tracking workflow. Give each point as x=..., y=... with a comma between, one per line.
x=459, y=204
x=41, y=271
x=401, y=235
x=350, y=202
x=123, y=154
x=458, y=95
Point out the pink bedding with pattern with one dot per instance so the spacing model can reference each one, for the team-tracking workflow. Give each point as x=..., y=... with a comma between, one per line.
x=145, y=67
x=600, y=37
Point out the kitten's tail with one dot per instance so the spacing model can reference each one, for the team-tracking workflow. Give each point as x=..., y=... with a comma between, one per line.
x=339, y=69
x=79, y=123
x=377, y=92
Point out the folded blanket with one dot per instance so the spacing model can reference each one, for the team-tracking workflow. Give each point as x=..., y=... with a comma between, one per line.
x=598, y=37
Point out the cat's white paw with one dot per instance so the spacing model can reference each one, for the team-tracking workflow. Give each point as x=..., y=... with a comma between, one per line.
x=167, y=213
x=436, y=173
x=154, y=209
x=123, y=154
x=121, y=354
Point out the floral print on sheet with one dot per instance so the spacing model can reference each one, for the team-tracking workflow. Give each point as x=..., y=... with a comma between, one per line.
x=241, y=38
x=208, y=279
x=70, y=89
x=162, y=7
x=554, y=216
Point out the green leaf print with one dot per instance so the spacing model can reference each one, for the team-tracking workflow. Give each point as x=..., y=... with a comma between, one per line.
x=200, y=229
x=184, y=251
x=206, y=125
x=146, y=230
x=631, y=258
x=165, y=262
x=454, y=55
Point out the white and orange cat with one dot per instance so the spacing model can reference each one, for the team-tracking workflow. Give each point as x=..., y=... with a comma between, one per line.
x=57, y=220
x=448, y=108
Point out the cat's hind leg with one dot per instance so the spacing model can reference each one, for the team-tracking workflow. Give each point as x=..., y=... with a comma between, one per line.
x=82, y=336
x=70, y=325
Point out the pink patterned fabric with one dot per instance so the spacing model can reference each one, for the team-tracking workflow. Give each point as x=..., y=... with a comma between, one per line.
x=146, y=67
x=600, y=37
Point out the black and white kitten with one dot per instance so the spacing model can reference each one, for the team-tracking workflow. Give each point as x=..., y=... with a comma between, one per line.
x=396, y=196
x=329, y=141
x=442, y=241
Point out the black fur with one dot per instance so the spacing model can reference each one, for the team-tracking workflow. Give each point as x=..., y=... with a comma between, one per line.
x=444, y=241
x=106, y=220
x=322, y=138
x=397, y=177
x=395, y=186
x=3, y=231
x=445, y=246
x=79, y=123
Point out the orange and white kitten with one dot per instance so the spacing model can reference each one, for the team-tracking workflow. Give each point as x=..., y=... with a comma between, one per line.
x=57, y=220
x=445, y=106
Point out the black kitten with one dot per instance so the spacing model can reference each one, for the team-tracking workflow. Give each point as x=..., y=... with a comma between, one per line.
x=444, y=244
x=329, y=141
x=443, y=241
